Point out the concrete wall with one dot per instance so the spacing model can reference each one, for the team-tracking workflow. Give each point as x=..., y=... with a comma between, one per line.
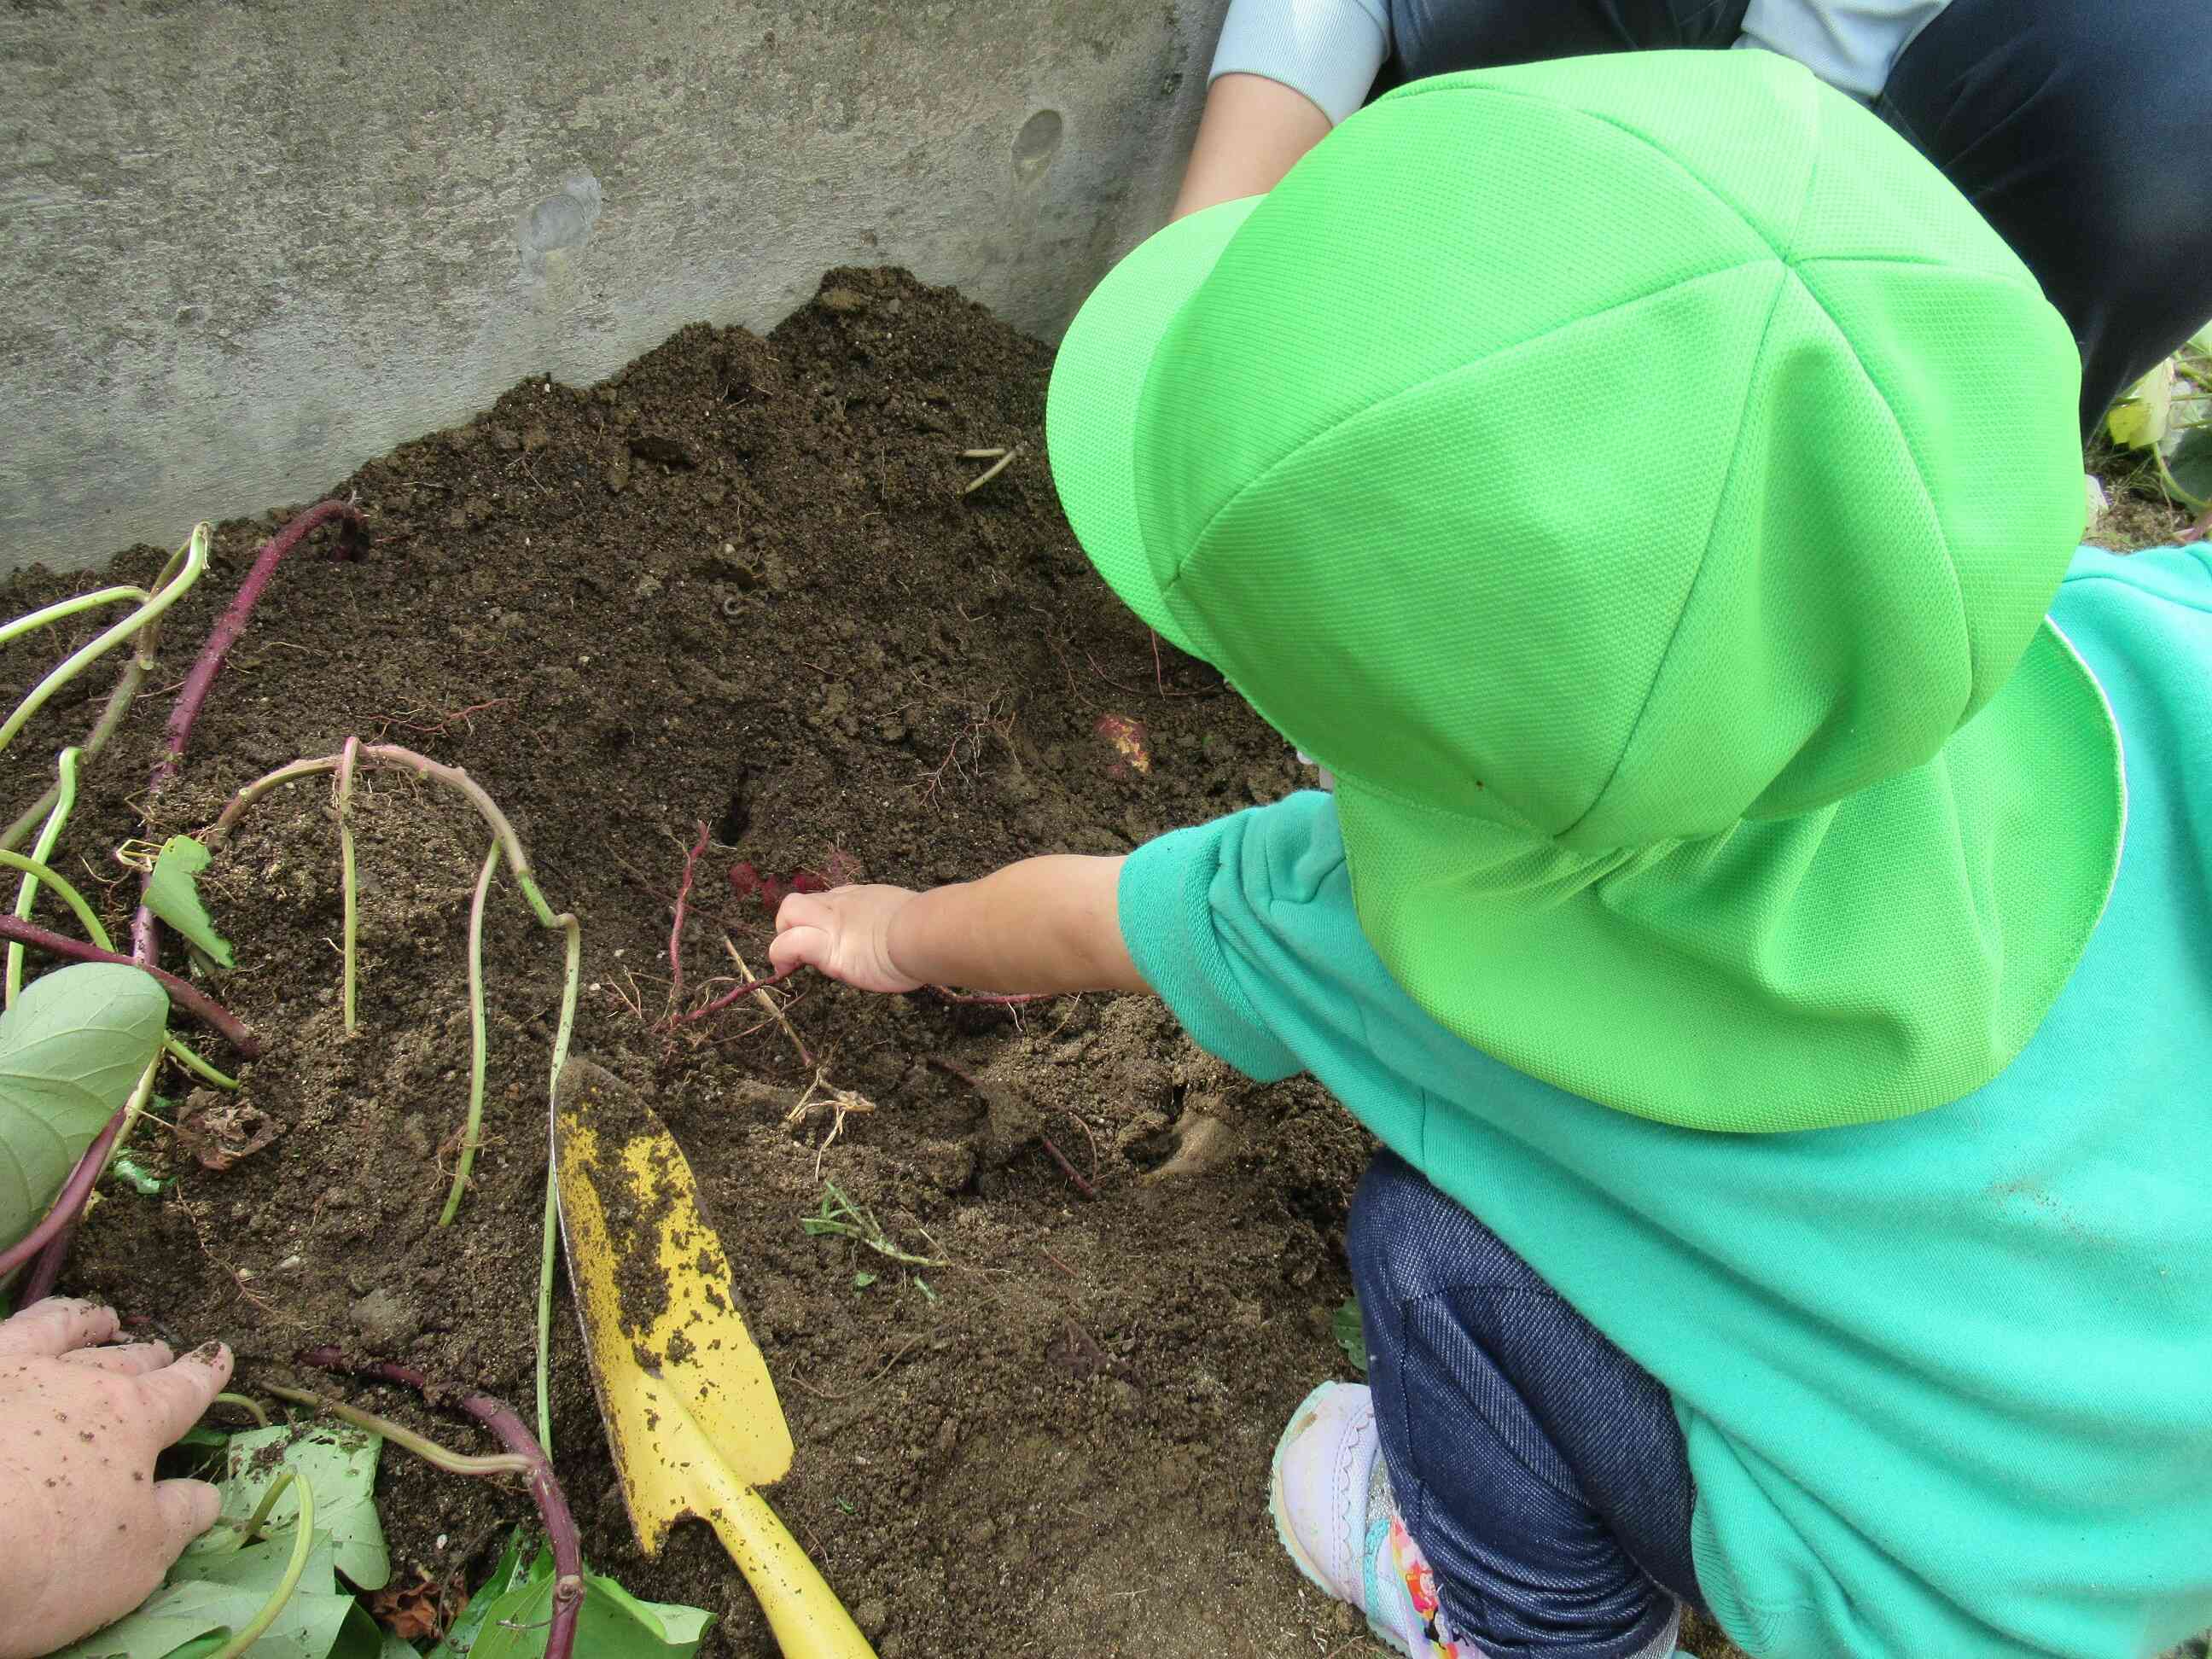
x=251, y=243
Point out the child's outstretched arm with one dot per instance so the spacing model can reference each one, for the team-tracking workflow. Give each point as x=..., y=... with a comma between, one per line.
x=86, y=1532
x=1043, y=925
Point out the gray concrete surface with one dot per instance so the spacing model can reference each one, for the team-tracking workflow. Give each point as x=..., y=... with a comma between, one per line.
x=251, y=243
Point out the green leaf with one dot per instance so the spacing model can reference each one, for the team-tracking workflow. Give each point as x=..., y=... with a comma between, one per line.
x=1344, y=1326
x=180, y=1616
x=512, y=1569
x=2191, y=465
x=680, y=1628
x=2139, y=420
x=339, y=1462
x=259, y=1565
x=71, y=1050
x=361, y=1637
x=173, y=893
x=612, y=1625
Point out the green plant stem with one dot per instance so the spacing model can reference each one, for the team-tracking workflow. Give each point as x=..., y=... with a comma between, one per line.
x=546, y=1258
x=27, y=896
x=351, y=926
x=301, y=1543
x=429, y=1450
x=159, y=601
x=250, y=1407
x=37, y=870
x=472, y=1129
x=393, y=757
x=135, y=1107
x=125, y=692
x=119, y=699
x=56, y=612
x=184, y=1056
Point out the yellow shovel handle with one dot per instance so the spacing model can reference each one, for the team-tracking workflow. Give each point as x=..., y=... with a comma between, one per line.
x=809, y=1621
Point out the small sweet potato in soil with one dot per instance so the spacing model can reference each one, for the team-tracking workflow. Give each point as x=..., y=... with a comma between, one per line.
x=740, y=581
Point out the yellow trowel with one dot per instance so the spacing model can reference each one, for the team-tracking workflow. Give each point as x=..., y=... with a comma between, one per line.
x=691, y=1416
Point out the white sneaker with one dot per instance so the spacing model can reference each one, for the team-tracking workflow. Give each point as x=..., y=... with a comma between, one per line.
x=1330, y=1495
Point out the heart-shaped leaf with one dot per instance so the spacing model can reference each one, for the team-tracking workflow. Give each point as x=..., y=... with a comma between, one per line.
x=511, y=1571
x=71, y=1050
x=2139, y=420
x=338, y=1461
x=2191, y=465
x=612, y=1625
x=178, y=1620
x=1344, y=1326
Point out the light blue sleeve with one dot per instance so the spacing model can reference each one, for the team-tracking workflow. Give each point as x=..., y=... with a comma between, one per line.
x=1329, y=50
x=1852, y=44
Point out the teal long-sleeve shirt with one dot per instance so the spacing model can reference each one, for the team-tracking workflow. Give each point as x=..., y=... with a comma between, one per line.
x=1946, y=1381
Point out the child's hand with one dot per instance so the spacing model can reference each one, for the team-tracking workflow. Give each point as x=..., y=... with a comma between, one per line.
x=86, y=1532
x=846, y=933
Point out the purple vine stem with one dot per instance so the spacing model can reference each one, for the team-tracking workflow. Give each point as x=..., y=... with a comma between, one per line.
x=731, y=996
x=499, y=1417
x=186, y=709
x=185, y=712
x=51, y=1238
x=182, y=993
x=59, y=1220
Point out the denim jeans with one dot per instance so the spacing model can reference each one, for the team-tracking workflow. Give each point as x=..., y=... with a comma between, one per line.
x=1540, y=1468
x=2080, y=129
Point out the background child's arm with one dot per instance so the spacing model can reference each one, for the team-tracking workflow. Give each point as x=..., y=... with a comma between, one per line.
x=1254, y=129
x=1043, y=925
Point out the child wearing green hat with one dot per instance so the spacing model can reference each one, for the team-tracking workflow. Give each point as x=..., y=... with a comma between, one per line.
x=1650, y=492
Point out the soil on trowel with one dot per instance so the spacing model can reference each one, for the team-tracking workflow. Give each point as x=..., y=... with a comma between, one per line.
x=744, y=586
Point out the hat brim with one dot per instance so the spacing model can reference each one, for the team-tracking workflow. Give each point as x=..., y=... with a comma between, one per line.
x=1097, y=383
x=1885, y=955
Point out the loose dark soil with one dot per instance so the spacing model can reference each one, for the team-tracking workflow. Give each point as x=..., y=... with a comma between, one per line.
x=740, y=583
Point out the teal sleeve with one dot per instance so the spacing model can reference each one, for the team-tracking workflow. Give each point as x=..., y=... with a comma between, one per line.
x=2179, y=575
x=1171, y=893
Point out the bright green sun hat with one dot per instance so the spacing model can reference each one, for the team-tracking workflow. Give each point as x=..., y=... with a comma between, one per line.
x=1641, y=480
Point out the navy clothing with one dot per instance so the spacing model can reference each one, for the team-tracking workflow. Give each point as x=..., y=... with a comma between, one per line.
x=1556, y=1507
x=2080, y=129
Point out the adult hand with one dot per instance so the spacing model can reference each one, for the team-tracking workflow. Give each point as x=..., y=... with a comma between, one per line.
x=86, y=1532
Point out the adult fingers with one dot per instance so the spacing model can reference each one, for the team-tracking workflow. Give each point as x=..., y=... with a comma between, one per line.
x=179, y=1395
x=127, y=1359
x=184, y=1510
x=55, y=1326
